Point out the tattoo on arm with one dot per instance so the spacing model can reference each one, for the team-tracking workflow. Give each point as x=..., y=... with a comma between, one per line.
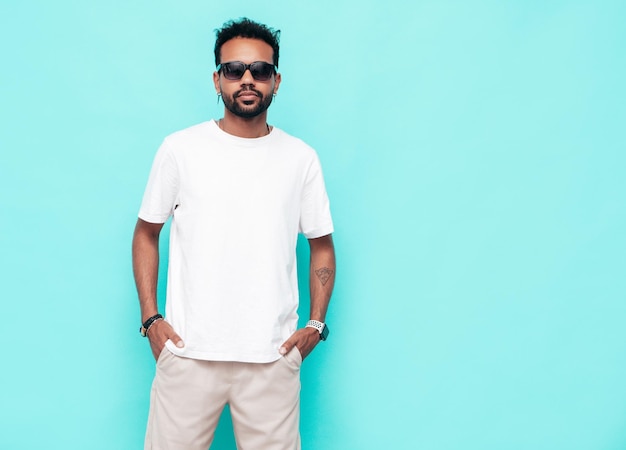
x=324, y=274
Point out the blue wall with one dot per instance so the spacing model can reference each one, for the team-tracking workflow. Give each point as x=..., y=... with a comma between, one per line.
x=474, y=154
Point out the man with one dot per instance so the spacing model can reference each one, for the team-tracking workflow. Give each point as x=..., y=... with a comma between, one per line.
x=239, y=191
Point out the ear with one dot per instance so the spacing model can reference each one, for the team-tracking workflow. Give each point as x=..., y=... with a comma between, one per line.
x=277, y=80
x=216, y=82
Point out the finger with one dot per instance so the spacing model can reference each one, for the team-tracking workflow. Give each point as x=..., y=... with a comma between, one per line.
x=286, y=347
x=156, y=351
x=177, y=340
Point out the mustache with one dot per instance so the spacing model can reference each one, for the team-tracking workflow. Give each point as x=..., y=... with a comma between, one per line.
x=246, y=91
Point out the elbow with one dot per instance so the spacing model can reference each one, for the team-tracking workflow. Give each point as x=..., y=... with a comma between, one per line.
x=322, y=246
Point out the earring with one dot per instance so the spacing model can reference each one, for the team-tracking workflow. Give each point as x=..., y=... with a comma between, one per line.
x=219, y=95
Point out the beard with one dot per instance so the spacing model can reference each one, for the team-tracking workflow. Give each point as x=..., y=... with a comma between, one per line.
x=247, y=110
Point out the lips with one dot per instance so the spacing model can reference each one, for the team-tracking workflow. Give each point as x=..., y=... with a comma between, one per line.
x=246, y=95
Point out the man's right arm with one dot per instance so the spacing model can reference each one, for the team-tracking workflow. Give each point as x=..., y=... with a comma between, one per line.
x=146, y=270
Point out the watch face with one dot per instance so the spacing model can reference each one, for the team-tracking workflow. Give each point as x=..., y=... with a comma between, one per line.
x=324, y=333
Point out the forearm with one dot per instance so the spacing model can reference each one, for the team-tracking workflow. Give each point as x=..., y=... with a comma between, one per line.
x=322, y=281
x=146, y=266
x=321, y=276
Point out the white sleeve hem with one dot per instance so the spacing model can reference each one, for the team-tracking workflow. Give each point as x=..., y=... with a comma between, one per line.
x=319, y=232
x=153, y=218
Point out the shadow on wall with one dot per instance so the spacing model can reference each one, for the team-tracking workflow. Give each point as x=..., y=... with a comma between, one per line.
x=224, y=435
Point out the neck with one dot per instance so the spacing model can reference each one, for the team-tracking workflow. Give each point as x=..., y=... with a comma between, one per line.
x=253, y=127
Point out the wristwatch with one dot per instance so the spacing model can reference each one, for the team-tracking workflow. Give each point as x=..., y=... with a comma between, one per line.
x=148, y=323
x=320, y=327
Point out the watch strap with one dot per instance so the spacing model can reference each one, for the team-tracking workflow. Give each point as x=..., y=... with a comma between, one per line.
x=321, y=328
x=148, y=323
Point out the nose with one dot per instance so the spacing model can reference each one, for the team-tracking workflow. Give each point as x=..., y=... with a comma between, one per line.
x=247, y=77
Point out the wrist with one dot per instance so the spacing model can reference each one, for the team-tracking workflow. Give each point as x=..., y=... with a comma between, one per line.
x=145, y=327
x=321, y=328
x=148, y=311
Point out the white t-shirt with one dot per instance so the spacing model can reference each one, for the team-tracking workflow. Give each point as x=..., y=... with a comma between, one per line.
x=237, y=206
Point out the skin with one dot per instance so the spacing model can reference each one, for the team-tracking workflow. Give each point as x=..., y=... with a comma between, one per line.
x=322, y=281
x=146, y=237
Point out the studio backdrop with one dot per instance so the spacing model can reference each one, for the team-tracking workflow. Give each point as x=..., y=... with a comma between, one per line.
x=474, y=154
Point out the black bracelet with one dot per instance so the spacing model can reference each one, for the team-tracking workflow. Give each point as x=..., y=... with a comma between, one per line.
x=148, y=323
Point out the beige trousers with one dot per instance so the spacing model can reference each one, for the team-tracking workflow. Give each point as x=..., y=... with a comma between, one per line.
x=188, y=396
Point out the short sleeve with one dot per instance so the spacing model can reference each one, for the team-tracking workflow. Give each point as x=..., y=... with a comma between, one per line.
x=315, y=218
x=161, y=194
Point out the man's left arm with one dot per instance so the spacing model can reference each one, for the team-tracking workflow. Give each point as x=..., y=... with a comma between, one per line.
x=321, y=280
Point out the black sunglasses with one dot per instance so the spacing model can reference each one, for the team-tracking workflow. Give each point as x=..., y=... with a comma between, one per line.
x=234, y=70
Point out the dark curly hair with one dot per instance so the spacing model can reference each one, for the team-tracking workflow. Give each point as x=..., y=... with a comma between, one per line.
x=246, y=28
